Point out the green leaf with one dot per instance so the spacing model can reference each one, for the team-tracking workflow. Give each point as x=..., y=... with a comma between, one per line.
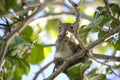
x=51, y=8
x=37, y=54
x=1, y=76
x=92, y=73
x=24, y=66
x=18, y=41
x=18, y=45
x=77, y=70
x=117, y=45
x=6, y=5
x=100, y=11
x=104, y=21
x=113, y=24
x=16, y=67
x=114, y=7
x=1, y=42
x=96, y=22
x=8, y=63
x=103, y=47
x=27, y=34
x=17, y=74
x=101, y=33
x=10, y=4
x=51, y=27
x=47, y=50
x=83, y=32
x=2, y=6
x=98, y=77
x=69, y=19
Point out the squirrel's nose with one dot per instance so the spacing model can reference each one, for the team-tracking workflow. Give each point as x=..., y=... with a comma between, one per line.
x=61, y=35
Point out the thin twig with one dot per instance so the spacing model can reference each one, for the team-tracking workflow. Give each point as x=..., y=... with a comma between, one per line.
x=110, y=12
x=42, y=69
x=33, y=4
x=112, y=58
x=114, y=52
x=48, y=45
x=106, y=57
x=66, y=13
x=104, y=64
x=11, y=15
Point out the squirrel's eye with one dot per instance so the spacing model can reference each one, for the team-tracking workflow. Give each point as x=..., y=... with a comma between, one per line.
x=59, y=28
x=71, y=27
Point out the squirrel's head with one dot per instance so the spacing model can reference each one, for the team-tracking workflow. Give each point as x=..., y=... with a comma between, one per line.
x=65, y=29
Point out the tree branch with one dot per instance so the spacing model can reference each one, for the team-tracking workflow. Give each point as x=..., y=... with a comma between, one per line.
x=48, y=45
x=11, y=15
x=66, y=13
x=41, y=70
x=106, y=57
x=110, y=12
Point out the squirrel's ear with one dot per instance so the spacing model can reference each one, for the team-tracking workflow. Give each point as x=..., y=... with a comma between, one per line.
x=60, y=22
x=74, y=23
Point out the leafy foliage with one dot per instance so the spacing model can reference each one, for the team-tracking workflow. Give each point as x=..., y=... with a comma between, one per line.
x=6, y=5
x=28, y=46
x=36, y=55
x=27, y=34
x=77, y=71
x=17, y=67
x=98, y=77
x=19, y=58
x=117, y=45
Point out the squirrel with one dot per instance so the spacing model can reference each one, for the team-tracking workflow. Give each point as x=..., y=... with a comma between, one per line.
x=67, y=45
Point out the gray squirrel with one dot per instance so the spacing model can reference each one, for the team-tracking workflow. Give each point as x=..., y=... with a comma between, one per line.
x=66, y=45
